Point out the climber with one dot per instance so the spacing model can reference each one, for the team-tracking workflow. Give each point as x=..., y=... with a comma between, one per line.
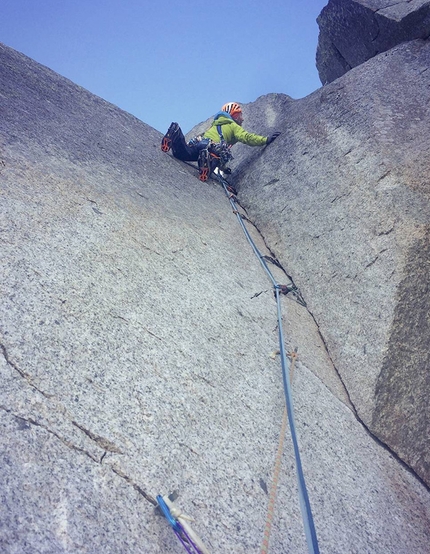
x=213, y=148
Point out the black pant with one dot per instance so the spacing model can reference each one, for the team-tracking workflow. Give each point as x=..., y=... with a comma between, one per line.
x=184, y=151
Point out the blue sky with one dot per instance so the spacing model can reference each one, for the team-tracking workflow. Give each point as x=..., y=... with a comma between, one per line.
x=171, y=60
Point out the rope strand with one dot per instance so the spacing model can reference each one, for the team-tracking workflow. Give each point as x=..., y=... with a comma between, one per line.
x=308, y=522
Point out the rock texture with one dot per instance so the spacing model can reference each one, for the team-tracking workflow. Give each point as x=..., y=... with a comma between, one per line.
x=353, y=31
x=137, y=335
x=343, y=200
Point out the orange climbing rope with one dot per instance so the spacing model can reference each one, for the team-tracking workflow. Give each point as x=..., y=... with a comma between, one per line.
x=277, y=468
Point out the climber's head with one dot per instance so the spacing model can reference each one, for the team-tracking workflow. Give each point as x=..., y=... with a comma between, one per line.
x=234, y=109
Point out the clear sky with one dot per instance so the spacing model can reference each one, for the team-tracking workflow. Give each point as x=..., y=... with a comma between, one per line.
x=171, y=60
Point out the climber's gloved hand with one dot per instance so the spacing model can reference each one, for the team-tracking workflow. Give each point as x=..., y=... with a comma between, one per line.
x=273, y=137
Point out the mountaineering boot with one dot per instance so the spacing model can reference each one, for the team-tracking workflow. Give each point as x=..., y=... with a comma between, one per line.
x=204, y=165
x=166, y=143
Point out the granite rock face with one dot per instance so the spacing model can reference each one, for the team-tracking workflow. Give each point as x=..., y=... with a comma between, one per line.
x=342, y=197
x=137, y=340
x=353, y=31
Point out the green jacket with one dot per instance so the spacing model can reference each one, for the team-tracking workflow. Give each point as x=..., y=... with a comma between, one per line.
x=232, y=132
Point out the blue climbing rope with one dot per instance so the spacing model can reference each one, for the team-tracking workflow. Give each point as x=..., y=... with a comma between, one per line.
x=305, y=507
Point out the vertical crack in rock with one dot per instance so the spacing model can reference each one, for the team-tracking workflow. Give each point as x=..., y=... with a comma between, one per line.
x=279, y=265
x=368, y=430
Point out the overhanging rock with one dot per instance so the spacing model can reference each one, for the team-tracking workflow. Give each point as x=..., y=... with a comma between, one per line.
x=353, y=31
x=342, y=198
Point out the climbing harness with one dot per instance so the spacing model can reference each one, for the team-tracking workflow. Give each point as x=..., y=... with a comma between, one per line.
x=305, y=506
x=222, y=151
x=215, y=155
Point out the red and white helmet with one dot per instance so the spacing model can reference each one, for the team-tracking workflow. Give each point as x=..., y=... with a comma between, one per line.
x=233, y=108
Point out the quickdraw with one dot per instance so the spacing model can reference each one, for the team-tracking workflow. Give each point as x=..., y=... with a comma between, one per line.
x=180, y=525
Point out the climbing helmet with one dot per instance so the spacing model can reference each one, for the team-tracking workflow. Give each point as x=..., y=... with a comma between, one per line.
x=233, y=108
